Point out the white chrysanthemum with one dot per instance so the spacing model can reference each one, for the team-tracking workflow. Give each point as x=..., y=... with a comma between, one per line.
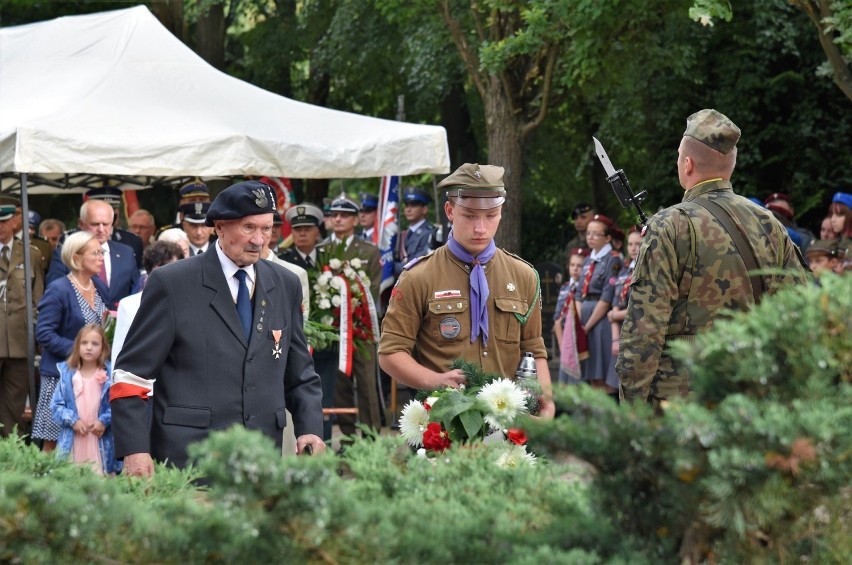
x=335, y=283
x=324, y=304
x=515, y=456
x=355, y=262
x=324, y=278
x=413, y=422
x=335, y=264
x=327, y=320
x=350, y=274
x=503, y=401
x=335, y=300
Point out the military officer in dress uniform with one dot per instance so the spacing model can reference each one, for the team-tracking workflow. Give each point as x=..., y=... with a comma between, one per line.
x=466, y=299
x=14, y=368
x=367, y=215
x=193, y=224
x=305, y=221
x=414, y=241
x=189, y=193
x=690, y=270
x=16, y=222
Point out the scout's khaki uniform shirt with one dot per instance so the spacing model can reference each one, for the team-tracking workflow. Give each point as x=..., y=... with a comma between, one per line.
x=429, y=313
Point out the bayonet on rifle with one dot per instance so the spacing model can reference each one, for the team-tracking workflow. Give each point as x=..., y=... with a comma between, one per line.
x=620, y=184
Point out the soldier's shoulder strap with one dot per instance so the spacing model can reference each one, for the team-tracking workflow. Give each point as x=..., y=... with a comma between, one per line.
x=524, y=318
x=418, y=260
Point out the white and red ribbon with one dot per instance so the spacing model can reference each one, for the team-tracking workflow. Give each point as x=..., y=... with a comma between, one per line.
x=347, y=346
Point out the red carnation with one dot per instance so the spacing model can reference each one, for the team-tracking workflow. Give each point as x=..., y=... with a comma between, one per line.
x=516, y=436
x=435, y=438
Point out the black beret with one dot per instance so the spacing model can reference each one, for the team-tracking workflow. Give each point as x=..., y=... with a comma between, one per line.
x=249, y=198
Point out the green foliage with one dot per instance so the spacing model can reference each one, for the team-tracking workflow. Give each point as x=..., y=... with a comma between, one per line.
x=756, y=467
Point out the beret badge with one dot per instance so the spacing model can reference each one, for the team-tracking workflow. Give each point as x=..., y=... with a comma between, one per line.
x=261, y=199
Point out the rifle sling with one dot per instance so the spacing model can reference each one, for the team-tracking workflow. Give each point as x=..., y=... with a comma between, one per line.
x=740, y=243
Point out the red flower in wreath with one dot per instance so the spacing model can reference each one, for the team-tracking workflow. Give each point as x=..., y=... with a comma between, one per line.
x=435, y=438
x=516, y=436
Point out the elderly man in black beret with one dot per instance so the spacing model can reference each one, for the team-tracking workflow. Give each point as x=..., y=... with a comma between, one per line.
x=221, y=333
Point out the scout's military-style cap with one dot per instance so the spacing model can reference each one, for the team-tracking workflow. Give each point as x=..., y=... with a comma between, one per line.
x=579, y=209
x=580, y=251
x=7, y=211
x=194, y=188
x=248, y=198
x=843, y=198
x=35, y=219
x=195, y=212
x=777, y=196
x=304, y=215
x=108, y=194
x=605, y=221
x=713, y=129
x=825, y=247
x=475, y=186
x=414, y=195
x=369, y=202
x=344, y=204
x=8, y=199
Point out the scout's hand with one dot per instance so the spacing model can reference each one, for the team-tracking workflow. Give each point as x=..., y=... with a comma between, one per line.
x=546, y=408
x=139, y=465
x=450, y=379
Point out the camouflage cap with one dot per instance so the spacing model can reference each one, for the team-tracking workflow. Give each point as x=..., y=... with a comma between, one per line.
x=713, y=129
x=476, y=186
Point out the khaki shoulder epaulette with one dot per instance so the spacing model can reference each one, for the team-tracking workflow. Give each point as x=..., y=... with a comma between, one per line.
x=417, y=260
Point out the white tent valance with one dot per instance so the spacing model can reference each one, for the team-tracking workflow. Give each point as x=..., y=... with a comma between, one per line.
x=115, y=93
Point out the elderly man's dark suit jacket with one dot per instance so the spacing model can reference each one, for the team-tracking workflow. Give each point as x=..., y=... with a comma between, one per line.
x=187, y=335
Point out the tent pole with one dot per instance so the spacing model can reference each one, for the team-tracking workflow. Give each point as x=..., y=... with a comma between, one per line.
x=28, y=292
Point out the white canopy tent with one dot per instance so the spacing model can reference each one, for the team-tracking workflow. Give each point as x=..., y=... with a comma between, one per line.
x=116, y=93
x=115, y=98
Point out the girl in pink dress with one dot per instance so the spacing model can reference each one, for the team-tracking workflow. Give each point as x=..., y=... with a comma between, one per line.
x=80, y=403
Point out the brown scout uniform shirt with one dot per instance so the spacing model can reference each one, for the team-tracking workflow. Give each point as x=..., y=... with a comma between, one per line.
x=429, y=313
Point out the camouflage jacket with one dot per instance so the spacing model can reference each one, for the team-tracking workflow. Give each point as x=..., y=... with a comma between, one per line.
x=687, y=273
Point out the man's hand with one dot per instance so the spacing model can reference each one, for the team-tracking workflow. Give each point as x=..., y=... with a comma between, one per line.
x=450, y=379
x=139, y=465
x=316, y=444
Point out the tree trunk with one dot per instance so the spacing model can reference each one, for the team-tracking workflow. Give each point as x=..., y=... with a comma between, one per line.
x=505, y=148
x=170, y=14
x=211, y=36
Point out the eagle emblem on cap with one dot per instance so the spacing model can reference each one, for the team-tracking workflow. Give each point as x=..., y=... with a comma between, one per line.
x=262, y=201
x=199, y=208
x=477, y=173
x=300, y=210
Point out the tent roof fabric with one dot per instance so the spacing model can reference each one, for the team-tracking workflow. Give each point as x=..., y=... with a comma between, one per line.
x=116, y=93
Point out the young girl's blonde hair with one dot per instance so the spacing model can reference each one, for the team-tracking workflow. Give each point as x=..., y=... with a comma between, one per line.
x=74, y=358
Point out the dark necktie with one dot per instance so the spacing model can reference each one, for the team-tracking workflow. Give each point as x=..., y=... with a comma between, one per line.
x=243, y=303
x=309, y=262
x=103, y=273
x=4, y=257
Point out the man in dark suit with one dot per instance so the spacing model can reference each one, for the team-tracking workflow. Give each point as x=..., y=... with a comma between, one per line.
x=344, y=217
x=305, y=221
x=120, y=271
x=246, y=366
x=113, y=196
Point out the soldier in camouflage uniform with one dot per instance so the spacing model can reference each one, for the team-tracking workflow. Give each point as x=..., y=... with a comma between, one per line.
x=467, y=299
x=689, y=270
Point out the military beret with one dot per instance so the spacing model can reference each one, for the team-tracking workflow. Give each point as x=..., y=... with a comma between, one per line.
x=476, y=186
x=248, y=198
x=713, y=129
x=195, y=212
x=825, y=247
x=777, y=196
x=7, y=211
x=194, y=188
x=605, y=221
x=414, y=195
x=344, y=204
x=109, y=194
x=580, y=251
x=780, y=209
x=35, y=219
x=369, y=202
x=304, y=215
x=843, y=198
x=617, y=233
x=580, y=208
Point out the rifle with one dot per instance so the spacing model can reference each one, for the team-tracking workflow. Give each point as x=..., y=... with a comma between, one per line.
x=620, y=185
